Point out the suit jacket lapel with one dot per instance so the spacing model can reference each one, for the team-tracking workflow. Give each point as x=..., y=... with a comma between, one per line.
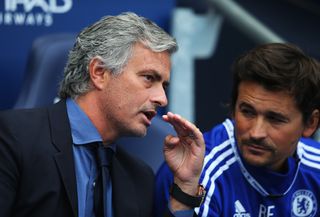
x=124, y=193
x=61, y=138
x=124, y=202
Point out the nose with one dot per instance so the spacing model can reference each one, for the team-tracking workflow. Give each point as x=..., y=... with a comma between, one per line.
x=159, y=97
x=258, y=129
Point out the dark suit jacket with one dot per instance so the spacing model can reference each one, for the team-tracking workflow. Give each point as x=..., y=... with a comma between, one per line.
x=37, y=174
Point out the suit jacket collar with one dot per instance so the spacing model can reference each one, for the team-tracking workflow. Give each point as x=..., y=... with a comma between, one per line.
x=61, y=138
x=124, y=202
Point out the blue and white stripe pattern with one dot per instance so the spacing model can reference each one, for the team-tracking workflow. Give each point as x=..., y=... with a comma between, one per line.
x=309, y=153
x=217, y=161
x=222, y=160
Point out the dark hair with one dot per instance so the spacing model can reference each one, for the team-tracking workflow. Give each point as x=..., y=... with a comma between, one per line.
x=280, y=67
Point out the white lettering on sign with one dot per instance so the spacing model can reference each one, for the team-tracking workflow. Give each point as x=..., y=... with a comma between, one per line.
x=20, y=12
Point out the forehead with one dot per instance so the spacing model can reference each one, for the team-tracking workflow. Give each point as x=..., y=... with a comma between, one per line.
x=144, y=59
x=262, y=99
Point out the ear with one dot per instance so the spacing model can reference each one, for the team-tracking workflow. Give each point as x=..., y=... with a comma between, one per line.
x=312, y=124
x=98, y=74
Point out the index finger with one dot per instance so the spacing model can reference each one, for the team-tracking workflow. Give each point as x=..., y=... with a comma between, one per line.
x=183, y=127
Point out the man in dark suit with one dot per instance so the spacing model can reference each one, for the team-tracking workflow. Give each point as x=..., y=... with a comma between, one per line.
x=114, y=81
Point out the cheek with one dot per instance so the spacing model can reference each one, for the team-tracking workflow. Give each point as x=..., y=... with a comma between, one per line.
x=121, y=97
x=286, y=141
x=129, y=104
x=130, y=100
x=242, y=126
x=115, y=101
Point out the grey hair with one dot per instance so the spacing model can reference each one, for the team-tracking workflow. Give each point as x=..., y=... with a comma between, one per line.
x=111, y=39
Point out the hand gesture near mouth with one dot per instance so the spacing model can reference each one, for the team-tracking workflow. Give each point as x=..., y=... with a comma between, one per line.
x=184, y=153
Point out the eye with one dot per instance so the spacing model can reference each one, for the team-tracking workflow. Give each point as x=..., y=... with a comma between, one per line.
x=149, y=78
x=247, y=112
x=275, y=119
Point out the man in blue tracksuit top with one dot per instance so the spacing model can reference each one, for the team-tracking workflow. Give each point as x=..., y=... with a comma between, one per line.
x=261, y=162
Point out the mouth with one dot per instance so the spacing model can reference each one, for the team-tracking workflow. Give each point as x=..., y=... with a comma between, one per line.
x=258, y=149
x=256, y=144
x=149, y=115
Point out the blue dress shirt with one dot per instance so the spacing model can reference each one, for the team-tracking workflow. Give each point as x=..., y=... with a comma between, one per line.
x=83, y=133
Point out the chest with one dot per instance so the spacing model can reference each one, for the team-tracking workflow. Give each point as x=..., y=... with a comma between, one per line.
x=231, y=194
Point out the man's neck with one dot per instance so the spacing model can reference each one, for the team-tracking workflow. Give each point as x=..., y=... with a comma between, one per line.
x=91, y=107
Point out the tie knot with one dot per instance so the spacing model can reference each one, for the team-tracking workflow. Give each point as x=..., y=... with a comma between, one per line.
x=104, y=155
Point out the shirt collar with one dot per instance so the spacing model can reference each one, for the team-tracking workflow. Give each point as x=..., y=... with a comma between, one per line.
x=79, y=123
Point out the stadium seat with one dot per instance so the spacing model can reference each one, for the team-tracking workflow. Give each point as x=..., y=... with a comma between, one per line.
x=44, y=69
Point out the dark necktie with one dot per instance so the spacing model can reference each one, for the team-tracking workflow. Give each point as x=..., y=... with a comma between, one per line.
x=103, y=156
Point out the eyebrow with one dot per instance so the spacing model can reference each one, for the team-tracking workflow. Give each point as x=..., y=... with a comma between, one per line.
x=245, y=104
x=158, y=77
x=278, y=115
x=269, y=113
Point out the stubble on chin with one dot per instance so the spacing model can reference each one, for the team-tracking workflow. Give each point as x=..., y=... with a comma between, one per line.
x=255, y=159
x=136, y=132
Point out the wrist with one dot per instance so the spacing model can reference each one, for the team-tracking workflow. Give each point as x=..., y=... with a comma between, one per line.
x=187, y=199
x=190, y=187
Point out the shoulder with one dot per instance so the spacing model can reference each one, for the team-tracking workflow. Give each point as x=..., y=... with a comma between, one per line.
x=28, y=132
x=308, y=151
x=220, y=143
x=19, y=115
x=219, y=134
x=220, y=154
x=25, y=118
x=22, y=122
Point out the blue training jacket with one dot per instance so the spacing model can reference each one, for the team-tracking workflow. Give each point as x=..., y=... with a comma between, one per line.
x=236, y=189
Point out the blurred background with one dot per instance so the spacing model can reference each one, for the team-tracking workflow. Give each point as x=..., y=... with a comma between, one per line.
x=36, y=35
